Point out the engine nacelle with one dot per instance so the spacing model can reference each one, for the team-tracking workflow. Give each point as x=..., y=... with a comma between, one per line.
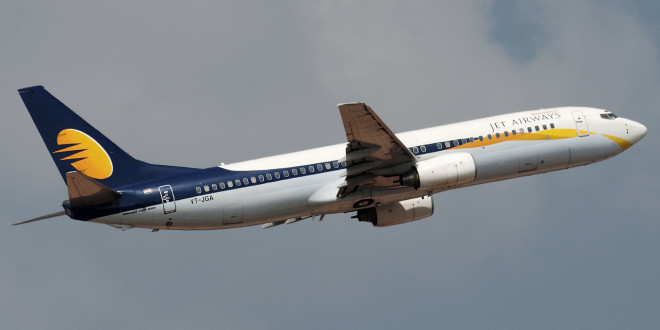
x=397, y=213
x=441, y=172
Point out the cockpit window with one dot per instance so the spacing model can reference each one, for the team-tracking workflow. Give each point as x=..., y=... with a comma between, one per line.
x=607, y=116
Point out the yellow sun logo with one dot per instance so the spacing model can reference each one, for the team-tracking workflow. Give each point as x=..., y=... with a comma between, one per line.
x=92, y=160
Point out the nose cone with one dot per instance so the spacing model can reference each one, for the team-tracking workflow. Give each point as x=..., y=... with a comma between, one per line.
x=638, y=131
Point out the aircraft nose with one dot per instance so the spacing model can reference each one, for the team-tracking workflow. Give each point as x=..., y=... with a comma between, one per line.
x=638, y=131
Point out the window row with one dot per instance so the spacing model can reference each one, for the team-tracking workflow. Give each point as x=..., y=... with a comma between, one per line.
x=458, y=142
x=277, y=175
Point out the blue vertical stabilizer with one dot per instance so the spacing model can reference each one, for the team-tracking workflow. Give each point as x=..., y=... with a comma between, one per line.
x=77, y=146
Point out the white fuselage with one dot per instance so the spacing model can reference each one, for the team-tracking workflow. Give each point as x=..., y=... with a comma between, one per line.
x=501, y=147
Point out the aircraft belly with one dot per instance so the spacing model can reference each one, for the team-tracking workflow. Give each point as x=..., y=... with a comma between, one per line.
x=593, y=148
x=540, y=157
x=140, y=217
x=283, y=200
x=247, y=206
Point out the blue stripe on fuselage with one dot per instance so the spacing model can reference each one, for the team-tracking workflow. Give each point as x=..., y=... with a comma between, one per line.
x=184, y=185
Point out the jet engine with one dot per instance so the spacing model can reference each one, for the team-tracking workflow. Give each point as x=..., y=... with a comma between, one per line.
x=397, y=213
x=441, y=172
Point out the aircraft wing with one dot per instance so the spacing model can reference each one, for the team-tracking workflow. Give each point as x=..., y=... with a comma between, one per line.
x=375, y=157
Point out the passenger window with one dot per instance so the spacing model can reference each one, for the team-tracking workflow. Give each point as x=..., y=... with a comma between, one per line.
x=286, y=173
x=302, y=170
x=422, y=148
x=545, y=127
x=214, y=186
x=481, y=138
x=230, y=184
x=552, y=125
x=237, y=182
x=522, y=131
x=537, y=128
x=471, y=140
x=319, y=167
x=343, y=164
x=222, y=185
x=206, y=189
x=513, y=132
x=199, y=190
x=253, y=180
x=463, y=141
x=294, y=171
x=490, y=137
x=335, y=164
x=311, y=169
x=415, y=150
x=277, y=175
x=439, y=145
x=269, y=177
x=448, y=144
x=261, y=178
x=327, y=166
x=245, y=181
x=497, y=135
x=529, y=129
x=506, y=133
x=456, y=144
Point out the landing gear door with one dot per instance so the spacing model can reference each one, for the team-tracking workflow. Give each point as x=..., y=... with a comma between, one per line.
x=167, y=196
x=581, y=124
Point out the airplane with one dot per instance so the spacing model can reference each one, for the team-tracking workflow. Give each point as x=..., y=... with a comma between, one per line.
x=386, y=178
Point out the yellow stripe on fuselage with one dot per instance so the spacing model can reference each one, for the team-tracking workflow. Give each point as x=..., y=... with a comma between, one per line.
x=550, y=134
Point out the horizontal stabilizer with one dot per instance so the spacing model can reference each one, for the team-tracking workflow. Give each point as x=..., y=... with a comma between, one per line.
x=85, y=191
x=43, y=217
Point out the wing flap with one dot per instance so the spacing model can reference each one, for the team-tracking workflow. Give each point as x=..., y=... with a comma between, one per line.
x=365, y=130
x=373, y=151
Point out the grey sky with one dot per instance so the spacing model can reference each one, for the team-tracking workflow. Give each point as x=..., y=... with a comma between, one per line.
x=205, y=82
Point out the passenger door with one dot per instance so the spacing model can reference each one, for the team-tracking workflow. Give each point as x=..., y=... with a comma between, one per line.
x=167, y=197
x=581, y=124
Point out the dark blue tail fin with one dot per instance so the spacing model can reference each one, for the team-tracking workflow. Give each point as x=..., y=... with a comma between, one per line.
x=77, y=146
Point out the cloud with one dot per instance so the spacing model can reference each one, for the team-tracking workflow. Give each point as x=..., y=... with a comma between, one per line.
x=198, y=83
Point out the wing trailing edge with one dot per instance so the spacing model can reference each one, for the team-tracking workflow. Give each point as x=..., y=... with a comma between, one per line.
x=374, y=154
